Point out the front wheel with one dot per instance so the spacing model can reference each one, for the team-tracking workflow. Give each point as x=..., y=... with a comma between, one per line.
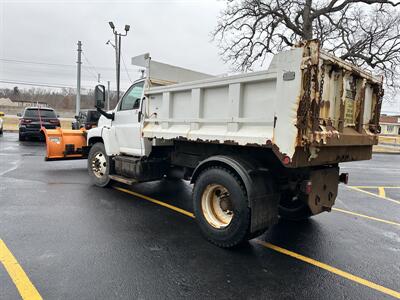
x=221, y=207
x=99, y=165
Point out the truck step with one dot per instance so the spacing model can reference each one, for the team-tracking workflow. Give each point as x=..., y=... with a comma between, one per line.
x=122, y=179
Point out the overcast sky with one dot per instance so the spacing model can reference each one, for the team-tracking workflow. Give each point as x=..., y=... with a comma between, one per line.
x=174, y=32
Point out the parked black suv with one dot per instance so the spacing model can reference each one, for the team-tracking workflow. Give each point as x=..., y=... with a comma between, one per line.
x=33, y=118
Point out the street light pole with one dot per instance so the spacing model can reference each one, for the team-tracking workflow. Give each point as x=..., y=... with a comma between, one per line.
x=118, y=53
x=116, y=63
x=119, y=65
x=108, y=95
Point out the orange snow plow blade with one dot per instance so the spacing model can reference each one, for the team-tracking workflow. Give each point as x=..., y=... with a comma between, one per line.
x=64, y=144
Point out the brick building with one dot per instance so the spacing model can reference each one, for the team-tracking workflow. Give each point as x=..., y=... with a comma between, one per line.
x=390, y=125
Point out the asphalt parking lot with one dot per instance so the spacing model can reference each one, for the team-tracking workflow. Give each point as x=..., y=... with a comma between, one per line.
x=62, y=238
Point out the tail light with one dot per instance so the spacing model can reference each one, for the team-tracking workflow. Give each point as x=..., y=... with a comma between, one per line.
x=306, y=187
x=55, y=121
x=286, y=160
x=25, y=121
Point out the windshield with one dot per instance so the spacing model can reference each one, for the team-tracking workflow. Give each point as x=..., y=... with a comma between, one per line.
x=44, y=113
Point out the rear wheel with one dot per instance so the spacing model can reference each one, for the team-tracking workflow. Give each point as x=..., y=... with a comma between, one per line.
x=293, y=207
x=221, y=207
x=99, y=165
x=42, y=137
x=21, y=137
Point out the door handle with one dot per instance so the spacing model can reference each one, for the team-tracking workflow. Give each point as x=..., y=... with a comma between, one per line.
x=139, y=116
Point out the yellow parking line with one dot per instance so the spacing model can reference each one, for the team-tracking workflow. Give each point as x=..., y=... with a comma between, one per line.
x=374, y=187
x=372, y=194
x=180, y=210
x=365, y=216
x=331, y=269
x=303, y=258
x=381, y=191
x=25, y=287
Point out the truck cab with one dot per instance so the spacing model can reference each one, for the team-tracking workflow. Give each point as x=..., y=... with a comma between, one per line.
x=122, y=133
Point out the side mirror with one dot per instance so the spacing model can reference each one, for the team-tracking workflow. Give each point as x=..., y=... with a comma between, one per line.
x=100, y=100
x=99, y=96
x=19, y=115
x=58, y=115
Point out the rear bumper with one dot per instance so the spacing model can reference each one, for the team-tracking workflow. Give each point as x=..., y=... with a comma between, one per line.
x=330, y=155
x=33, y=132
x=29, y=132
x=337, y=147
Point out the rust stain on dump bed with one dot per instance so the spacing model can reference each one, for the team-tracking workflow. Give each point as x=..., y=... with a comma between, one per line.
x=315, y=126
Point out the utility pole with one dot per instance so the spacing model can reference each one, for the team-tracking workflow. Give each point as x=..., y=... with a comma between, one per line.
x=78, y=80
x=108, y=95
x=117, y=48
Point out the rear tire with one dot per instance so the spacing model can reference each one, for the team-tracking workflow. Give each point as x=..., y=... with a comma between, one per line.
x=293, y=208
x=99, y=165
x=21, y=138
x=42, y=137
x=221, y=207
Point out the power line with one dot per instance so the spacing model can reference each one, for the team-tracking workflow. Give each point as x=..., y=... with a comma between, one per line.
x=126, y=70
x=53, y=85
x=50, y=72
x=49, y=64
x=88, y=62
x=35, y=62
x=90, y=71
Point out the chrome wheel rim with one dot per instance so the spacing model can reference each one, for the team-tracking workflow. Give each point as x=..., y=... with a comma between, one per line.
x=99, y=165
x=216, y=205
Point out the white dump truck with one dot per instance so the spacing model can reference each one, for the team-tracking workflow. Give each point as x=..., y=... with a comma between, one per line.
x=256, y=146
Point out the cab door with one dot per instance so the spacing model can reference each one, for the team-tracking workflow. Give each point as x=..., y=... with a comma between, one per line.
x=126, y=122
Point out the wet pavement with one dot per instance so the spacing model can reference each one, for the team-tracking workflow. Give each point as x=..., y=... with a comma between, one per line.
x=77, y=241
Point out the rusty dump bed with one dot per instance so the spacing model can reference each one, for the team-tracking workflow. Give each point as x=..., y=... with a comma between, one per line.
x=338, y=111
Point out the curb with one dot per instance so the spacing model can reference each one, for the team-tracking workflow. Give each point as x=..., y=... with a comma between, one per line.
x=383, y=152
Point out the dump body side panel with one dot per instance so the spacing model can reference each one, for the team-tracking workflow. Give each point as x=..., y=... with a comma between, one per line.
x=234, y=110
x=254, y=109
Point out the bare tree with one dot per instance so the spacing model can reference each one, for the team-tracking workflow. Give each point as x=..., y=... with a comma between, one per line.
x=365, y=32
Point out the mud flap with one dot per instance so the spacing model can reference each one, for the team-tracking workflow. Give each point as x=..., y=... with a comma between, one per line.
x=324, y=189
x=264, y=201
x=63, y=144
